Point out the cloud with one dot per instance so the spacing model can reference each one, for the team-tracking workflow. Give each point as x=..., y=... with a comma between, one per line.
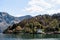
x=47, y=6
x=34, y=8
x=53, y=11
x=39, y=3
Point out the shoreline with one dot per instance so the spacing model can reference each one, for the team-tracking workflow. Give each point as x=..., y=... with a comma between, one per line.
x=35, y=33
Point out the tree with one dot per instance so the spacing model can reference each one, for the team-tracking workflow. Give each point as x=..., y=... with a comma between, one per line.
x=53, y=23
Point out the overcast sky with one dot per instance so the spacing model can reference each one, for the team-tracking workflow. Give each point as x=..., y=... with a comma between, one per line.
x=29, y=7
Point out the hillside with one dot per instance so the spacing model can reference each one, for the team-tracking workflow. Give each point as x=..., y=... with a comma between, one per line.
x=38, y=24
x=6, y=20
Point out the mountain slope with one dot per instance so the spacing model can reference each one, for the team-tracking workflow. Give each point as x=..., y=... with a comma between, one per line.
x=6, y=20
x=47, y=23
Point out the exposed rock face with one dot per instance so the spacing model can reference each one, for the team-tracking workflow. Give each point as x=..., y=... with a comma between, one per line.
x=6, y=20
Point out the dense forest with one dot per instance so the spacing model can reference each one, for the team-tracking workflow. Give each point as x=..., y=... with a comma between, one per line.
x=38, y=24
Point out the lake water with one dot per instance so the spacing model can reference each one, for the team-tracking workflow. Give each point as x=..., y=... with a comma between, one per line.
x=27, y=36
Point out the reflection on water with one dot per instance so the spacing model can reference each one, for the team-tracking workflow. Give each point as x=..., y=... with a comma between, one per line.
x=26, y=36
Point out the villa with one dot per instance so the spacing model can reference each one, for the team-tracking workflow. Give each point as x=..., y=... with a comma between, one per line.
x=39, y=31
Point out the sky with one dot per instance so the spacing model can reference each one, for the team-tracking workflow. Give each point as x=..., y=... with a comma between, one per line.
x=30, y=7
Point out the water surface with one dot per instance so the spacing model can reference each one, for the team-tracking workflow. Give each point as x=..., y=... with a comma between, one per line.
x=27, y=36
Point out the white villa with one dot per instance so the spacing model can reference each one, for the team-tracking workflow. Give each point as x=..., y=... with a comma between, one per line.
x=39, y=31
